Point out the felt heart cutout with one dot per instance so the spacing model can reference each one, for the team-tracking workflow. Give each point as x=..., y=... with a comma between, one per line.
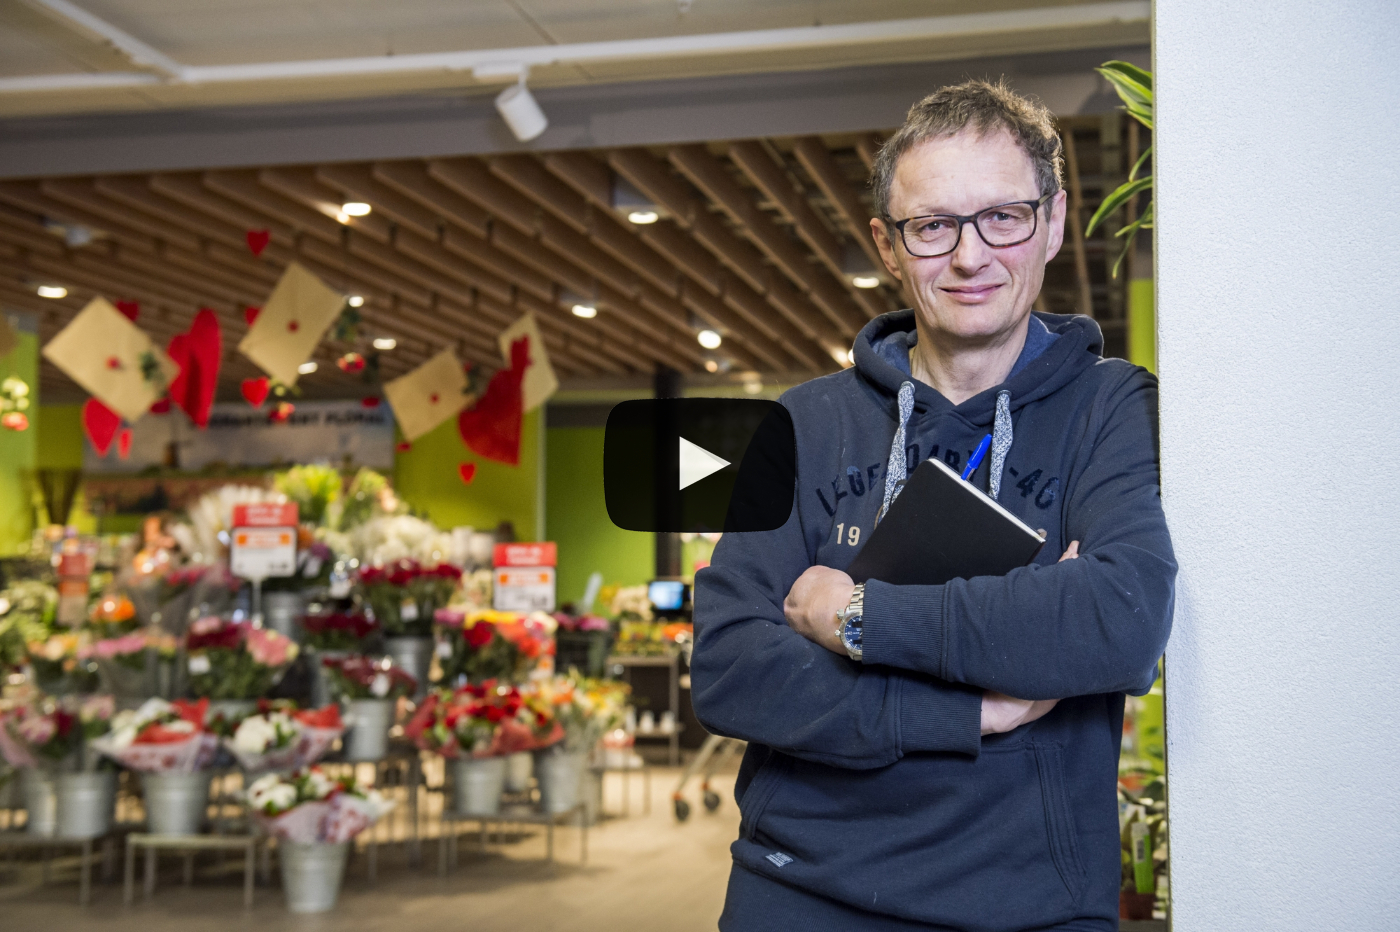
x=124, y=444
x=369, y=401
x=130, y=309
x=255, y=390
x=100, y=423
x=162, y=406
x=467, y=471
x=491, y=427
x=250, y=314
x=257, y=241
x=198, y=353
x=403, y=446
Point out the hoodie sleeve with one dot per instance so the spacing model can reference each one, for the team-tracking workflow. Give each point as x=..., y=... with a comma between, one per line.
x=1097, y=624
x=754, y=678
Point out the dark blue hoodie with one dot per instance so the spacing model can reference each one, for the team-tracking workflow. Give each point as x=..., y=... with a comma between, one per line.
x=869, y=798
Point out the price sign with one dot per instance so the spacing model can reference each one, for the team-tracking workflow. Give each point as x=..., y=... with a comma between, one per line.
x=263, y=543
x=524, y=589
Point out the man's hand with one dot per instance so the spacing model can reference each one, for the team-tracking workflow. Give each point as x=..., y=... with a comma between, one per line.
x=812, y=603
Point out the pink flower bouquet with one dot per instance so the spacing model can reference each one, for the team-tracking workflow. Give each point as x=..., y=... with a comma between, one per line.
x=234, y=660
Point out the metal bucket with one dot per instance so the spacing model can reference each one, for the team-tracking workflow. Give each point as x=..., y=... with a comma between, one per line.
x=176, y=802
x=320, y=678
x=86, y=804
x=414, y=656
x=311, y=874
x=282, y=613
x=370, y=721
x=477, y=784
x=519, y=767
x=560, y=772
x=40, y=792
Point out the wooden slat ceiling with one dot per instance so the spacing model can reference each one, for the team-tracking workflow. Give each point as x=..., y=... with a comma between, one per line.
x=755, y=241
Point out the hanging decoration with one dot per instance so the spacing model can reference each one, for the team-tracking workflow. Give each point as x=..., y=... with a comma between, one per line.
x=14, y=401
x=294, y=319
x=255, y=390
x=351, y=363
x=130, y=309
x=100, y=424
x=257, y=241
x=281, y=411
x=428, y=395
x=110, y=357
x=250, y=314
x=540, y=381
x=198, y=353
x=467, y=472
x=124, y=443
x=492, y=427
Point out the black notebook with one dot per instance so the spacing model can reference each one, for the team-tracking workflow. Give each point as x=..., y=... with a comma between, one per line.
x=942, y=528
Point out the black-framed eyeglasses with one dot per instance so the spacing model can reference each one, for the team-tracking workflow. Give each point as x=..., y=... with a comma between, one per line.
x=999, y=226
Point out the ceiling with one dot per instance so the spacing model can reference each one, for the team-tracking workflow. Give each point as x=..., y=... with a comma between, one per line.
x=93, y=40
x=758, y=240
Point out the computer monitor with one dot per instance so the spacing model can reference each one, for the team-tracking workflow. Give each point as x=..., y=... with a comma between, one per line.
x=667, y=595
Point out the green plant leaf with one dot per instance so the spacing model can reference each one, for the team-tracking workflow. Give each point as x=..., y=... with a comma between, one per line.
x=1117, y=199
x=1130, y=72
x=1141, y=223
x=1137, y=166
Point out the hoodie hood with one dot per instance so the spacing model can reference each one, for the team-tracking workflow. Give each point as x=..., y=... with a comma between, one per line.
x=1077, y=344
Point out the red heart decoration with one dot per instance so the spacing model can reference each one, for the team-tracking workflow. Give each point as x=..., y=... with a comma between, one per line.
x=369, y=401
x=467, y=471
x=250, y=314
x=255, y=390
x=403, y=446
x=100, y=423
x=198, y=354
x=491, y=427
x=162, y=406
x=124, y=443
x=130, y=309
x=257, y=241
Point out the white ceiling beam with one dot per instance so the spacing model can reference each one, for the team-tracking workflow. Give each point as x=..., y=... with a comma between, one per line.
x=1079, y=16
x=140, y=54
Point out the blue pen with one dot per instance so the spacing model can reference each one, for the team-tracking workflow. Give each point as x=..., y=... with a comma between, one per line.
x=975, y=459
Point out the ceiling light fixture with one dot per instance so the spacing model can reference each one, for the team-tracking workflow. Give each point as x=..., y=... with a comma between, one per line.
x=586, y=311
x=643, y=217
x=52, y=291
x=517, y=106
x=355, y=300
x=306, y=368
x=355, y=209
x=709, y=339
x=711, y=366
x=385, y=343
x=865, y=281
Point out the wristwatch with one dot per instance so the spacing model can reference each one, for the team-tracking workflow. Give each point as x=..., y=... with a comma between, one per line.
x=848, y=627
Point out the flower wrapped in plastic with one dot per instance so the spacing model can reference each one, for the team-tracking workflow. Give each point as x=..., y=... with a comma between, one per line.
x=585, y=709
x=491, y=645
x=234, y=660
x=405, y=594
x=48, y=732
x=355, y=678
x=486, y=720
x=161, y=737
x=283, y=738
x=310, y=806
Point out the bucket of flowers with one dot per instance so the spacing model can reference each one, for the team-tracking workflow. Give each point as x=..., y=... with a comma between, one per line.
x=584, y=710
x=280, y=736
x=235, y=664
x=57, y=669
x=27, y=610
x=404, y=596
x=331, y=636
x=170, y=745
x=314, y=817
x=65, y=792
x=127, y=664
x=491, y=645
x=582, y=641
x=476, y=728
x=370, y=690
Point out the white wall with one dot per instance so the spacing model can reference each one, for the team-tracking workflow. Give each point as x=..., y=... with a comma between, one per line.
x=1278, y=262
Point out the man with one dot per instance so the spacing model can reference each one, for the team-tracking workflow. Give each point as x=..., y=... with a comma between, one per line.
x=945, y=757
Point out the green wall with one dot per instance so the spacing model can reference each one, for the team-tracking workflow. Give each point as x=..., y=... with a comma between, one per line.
x=1142, y=324
x=576, y=517
x=426, y=477
x=17, y=448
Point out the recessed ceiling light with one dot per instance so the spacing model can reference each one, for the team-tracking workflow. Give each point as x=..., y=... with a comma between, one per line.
x=643, y=217
x=711, y=366
x=709, y=339
x=52, y=291
x=355, y=300
x=385, y=343
x=355, y=209
x=865, y=281
x=585, y=311
x=306, y=368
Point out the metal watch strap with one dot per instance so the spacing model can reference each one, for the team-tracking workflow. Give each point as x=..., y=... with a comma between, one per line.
x=854, y=609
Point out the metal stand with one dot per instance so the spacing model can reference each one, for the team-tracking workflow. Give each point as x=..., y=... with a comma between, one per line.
x=447, y=840
x=48, y=843
x=189, y=844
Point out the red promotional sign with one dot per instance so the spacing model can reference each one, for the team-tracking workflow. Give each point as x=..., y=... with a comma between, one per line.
x=541, y=554
x=265, y=514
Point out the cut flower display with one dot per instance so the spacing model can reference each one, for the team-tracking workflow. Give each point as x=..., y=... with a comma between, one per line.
x=491, y=645
x=52, y=732
x=486, y=720
x=405, y=595
x=337, y=631
x=284, y=738
x=585, y=709
x=363, y=678
x=161, y=737
x=234, y=660
x=310, y=806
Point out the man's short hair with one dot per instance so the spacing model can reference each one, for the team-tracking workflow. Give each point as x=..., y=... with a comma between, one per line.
x=984, y=107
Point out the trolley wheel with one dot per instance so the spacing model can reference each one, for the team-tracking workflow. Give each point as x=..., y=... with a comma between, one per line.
x=682, y=810
x=711, y=800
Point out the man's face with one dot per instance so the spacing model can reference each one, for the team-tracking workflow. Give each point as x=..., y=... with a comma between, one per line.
x=975, y=295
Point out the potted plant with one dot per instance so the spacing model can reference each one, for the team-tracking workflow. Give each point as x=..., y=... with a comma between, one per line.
x=234, y=664
x=1142, y=800
x=314, y=817
x=330, y=636
x=370, y=690
x=170, y=745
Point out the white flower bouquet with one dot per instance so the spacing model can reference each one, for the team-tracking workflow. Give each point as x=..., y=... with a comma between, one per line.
x=161, y=737
x=310, y=806
x=284, y=739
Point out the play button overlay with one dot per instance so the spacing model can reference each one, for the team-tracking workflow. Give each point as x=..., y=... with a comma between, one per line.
x=696, y=463
x=699, y=464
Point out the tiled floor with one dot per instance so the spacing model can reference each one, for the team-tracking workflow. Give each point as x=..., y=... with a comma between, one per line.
x=643, y=873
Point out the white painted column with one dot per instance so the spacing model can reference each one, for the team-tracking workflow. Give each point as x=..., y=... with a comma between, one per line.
x=1278, y=264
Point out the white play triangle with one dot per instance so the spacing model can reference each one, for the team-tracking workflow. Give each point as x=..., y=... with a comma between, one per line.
x=697, y=463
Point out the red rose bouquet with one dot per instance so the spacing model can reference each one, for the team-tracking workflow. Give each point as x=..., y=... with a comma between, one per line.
x=486, y=720
x=234, y=660
x=337, y=632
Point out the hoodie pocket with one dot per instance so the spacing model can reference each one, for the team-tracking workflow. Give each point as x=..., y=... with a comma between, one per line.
x=1059, y=818
x=760, y=791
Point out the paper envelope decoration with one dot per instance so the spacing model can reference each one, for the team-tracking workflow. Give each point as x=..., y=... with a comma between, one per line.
x=295, y=317
x=428, y=395
x=108, y=355
x=540, y=381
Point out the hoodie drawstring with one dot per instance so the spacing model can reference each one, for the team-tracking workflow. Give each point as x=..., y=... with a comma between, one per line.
x=897, y=470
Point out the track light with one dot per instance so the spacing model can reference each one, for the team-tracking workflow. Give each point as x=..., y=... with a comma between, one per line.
x=385, y=343
x=865, y=281
x=643, y=217
x=306, y=368
x=355, y=209
x=52, y=291
x=355, y=300
x=517, y=106
x=709, y=339
x=586, y=311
